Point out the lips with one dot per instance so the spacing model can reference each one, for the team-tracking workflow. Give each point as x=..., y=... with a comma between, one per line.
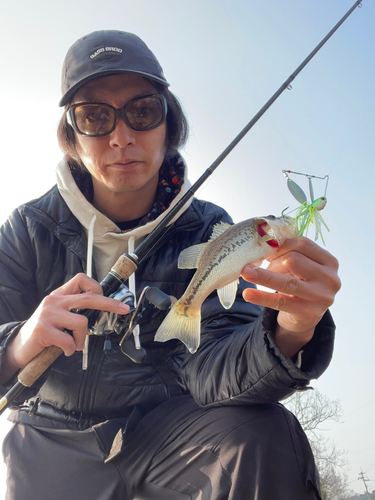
x=124, y=163
x=265, y=229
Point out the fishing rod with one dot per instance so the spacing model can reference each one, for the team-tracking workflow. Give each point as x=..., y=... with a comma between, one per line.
x=127, y=264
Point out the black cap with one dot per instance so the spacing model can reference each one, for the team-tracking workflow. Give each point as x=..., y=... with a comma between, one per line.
x=104, y=53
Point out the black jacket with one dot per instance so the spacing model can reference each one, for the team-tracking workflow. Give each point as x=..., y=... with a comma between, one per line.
x=42, y=246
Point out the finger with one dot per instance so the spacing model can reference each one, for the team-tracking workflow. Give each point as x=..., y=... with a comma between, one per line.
x=299, y=311
x=43, y=336
x=283, y=283
x=58, y=319
x=298, y=265
x=68, y=343
x=306, y=247
x=301, y=267
x=86, y=300
x=80, y=282
x=266, y=299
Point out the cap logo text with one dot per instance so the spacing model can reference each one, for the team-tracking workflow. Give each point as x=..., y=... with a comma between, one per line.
x=105, y=49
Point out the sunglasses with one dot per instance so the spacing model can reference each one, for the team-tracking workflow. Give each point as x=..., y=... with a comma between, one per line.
x=97, y=119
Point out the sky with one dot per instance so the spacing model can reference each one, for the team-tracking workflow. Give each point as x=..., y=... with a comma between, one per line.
x=224, y=59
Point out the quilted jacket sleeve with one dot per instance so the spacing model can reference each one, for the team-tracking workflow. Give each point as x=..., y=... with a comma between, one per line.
x=240, y=363
x=18, y=290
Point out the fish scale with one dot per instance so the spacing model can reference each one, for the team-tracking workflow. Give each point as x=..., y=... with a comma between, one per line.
x=213, y=268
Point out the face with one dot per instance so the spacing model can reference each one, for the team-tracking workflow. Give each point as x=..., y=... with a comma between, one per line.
x=125, y=161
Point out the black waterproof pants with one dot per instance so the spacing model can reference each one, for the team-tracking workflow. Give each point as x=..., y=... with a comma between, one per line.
x=178, y=451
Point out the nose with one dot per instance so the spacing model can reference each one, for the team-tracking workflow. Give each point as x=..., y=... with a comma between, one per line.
x=122, y=135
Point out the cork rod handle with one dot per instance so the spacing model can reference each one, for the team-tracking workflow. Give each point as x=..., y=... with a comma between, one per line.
x=37, y=366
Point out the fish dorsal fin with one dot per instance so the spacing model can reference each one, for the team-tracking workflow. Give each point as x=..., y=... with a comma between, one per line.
x=219, y=229
x=227, y=294
x=189, y=258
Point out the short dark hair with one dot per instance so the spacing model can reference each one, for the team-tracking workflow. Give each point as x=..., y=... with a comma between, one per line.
x=177, y=130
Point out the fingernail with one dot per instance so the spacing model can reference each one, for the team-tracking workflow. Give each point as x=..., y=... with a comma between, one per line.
x=124, y=307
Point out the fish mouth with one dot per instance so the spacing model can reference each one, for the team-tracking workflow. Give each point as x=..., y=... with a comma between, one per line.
x=264, y=229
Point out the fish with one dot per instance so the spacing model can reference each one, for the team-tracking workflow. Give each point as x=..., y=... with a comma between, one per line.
x=219, y=263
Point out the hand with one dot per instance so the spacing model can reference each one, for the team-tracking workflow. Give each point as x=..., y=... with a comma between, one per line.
x=46, y=326
x=305, y=275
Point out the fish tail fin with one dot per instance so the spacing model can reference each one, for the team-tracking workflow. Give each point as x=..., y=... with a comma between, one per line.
x=184, y=327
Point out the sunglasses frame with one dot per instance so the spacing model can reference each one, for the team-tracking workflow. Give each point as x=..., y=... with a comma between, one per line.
x=119, y=113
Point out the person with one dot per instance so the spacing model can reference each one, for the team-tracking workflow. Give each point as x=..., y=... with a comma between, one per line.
x=173, y=425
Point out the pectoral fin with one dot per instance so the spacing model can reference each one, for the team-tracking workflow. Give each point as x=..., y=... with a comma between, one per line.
x=227, y=294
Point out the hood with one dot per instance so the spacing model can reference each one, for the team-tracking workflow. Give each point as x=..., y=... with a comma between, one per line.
x=108, y=241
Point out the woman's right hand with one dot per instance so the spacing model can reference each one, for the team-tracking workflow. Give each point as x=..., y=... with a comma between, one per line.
x=46, y=326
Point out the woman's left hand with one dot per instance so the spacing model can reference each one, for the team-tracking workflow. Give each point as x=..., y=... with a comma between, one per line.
x=305, y=275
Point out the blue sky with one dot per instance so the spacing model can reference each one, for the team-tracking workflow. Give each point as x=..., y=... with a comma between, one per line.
x=224, y=59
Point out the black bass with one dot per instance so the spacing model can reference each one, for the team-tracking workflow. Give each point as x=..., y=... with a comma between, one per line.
x=219, y=263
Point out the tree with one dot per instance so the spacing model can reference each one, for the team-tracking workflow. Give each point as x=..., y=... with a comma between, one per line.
x=314, y=411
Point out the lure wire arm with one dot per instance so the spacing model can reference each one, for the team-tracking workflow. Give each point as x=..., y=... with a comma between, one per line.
x=300, y=190
x=286, y=172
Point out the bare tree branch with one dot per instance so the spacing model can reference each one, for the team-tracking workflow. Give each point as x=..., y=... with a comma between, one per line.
x=315, y=412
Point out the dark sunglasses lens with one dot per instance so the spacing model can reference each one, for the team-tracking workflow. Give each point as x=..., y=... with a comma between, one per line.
x=145, y=113
x=94, y=119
